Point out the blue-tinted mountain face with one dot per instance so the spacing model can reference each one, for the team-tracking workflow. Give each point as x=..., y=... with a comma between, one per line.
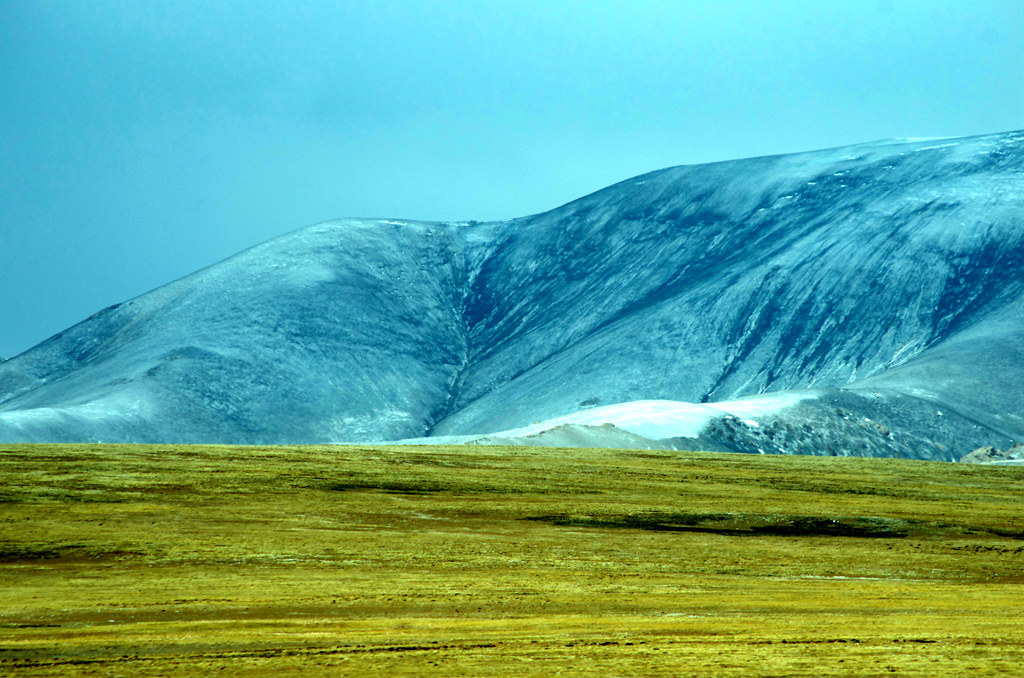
x=893, y=270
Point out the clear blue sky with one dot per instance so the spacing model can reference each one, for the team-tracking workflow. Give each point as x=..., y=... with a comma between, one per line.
x=141, y=140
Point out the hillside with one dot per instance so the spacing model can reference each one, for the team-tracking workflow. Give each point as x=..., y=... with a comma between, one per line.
x=875, y=292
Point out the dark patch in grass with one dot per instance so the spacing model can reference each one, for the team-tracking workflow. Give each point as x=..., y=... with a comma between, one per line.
x=824, y=489
x=827, y=641
x=420, y=487
x=800, y=526
x=263, y=653
x=13, y=553
x=743, y=524
x=49, y=495
x=423, y=487
x=388, y=486
x=818, y=488
x=979, y=548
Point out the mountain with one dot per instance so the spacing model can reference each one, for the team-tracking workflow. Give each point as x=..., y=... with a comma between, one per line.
x=865, y=300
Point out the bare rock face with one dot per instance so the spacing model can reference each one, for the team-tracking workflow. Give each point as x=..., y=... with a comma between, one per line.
x=887, y=277
x=989, y=454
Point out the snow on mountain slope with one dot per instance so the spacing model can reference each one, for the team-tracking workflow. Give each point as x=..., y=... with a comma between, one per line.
x=894, y=268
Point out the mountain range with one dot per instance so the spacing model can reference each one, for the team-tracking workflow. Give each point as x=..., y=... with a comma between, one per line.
x=865, y=300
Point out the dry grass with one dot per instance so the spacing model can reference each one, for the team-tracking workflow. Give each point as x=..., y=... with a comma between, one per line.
x=175, y=560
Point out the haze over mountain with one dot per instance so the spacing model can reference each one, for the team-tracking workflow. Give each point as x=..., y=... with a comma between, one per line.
x=870, y=297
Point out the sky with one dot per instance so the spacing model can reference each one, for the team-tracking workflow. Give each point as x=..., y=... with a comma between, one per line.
x=141, y=141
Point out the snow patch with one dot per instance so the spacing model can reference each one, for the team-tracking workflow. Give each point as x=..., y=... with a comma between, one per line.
x=660, y=419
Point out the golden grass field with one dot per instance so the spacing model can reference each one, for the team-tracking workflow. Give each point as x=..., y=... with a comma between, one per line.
x=485, y=561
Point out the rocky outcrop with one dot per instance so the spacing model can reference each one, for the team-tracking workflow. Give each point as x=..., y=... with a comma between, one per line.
x=989, y=455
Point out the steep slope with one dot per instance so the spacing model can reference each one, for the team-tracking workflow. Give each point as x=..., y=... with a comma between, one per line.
x=895, y=269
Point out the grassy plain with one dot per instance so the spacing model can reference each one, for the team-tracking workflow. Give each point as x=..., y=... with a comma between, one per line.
x=483, y=561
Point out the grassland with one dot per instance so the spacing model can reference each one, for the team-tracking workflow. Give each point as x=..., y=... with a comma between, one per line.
x=157, y=560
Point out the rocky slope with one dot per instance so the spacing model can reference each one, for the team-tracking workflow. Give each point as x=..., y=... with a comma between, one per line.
x=990, y=455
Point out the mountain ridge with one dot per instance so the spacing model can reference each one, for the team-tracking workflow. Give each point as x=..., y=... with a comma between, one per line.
x=696, y=283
